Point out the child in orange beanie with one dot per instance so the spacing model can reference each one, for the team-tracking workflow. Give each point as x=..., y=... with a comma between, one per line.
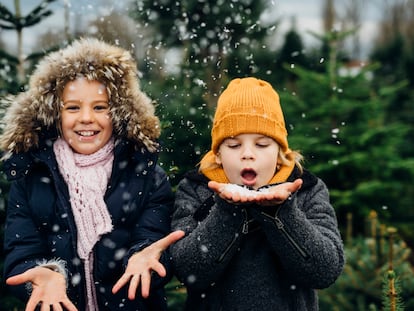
x=260, y=230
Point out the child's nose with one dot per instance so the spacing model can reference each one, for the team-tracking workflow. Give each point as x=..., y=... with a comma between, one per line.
x=247, y=153
x=86, y=115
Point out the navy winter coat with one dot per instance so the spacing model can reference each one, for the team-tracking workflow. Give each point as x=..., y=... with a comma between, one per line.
x=40, y=225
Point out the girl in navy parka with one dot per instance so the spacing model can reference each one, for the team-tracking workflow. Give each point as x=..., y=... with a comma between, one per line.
x=87, y=201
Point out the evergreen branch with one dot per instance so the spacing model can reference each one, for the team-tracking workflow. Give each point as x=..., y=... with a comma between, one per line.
x=391, y=299
x=7, y=27
x=8, y=19
x=10, y=58
x=5, y=13
x=33, y=20
x=41, y=9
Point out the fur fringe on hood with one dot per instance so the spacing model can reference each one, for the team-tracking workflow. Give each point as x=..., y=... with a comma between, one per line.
x=36, y=112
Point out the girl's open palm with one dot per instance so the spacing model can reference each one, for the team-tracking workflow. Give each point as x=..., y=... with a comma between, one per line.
x=142, y=264
x=49, y=289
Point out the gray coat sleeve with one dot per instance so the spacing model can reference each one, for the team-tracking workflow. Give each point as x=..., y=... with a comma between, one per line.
x=304, y=234
x=199, y=255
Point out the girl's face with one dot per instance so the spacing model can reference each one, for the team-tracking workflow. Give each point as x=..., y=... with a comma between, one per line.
x=248, y=159
x=85, y=121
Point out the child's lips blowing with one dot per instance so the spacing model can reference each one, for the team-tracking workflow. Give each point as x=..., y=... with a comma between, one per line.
x=248, y=176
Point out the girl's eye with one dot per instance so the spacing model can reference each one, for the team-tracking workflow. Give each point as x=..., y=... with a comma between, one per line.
x=262, y=145
x=71, y=107
x=101, y=108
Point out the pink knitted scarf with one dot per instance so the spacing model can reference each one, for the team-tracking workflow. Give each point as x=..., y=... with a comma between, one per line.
x=87, y=178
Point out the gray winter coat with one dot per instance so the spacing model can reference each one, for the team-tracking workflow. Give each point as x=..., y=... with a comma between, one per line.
x=256, y=258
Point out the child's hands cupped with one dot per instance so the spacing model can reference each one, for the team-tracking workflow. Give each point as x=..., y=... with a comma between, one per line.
x=233, y=193
x=268, y=196
x=278, y=194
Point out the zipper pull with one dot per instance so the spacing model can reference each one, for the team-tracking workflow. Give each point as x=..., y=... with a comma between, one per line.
x=279, y=224
x=245, y=228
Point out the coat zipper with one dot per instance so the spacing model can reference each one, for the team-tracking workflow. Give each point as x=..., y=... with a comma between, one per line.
x=279, y=224
x=244, y=228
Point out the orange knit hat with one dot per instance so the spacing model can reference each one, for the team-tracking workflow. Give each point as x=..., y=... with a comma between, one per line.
x=247, y=105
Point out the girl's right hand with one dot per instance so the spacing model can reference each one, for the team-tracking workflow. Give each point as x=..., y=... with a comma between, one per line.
x=49, y=289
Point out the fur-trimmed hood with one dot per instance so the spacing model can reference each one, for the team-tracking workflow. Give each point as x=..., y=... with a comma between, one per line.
x=35, y=113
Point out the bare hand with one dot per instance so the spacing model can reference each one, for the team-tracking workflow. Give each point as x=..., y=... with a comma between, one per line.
x=268, y=196
x=49, y=289
x=280, y=193
x=141, y=265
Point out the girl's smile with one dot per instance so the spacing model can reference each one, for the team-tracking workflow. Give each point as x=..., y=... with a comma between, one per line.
x=86, y=123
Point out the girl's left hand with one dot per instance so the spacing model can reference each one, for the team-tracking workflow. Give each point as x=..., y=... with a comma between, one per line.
x=268, y=196
x=140, y=266
x=48, y=289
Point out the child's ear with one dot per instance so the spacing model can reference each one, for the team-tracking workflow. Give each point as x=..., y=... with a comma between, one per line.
x=218, y=159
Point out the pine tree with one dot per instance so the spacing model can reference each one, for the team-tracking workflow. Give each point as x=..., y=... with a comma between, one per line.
x=391, y=299
x=16, y=22
x=340, y=124
x=368, y=280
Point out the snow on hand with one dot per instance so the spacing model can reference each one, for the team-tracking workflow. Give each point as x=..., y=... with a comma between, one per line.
x=242, y=190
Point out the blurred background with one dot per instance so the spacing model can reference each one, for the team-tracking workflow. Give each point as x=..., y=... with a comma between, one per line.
x=344, y=70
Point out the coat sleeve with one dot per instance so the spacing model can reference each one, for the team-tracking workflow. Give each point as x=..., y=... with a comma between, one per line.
x=154, y=223
x=304, y=235
x=199, y=257
x=24, y=245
